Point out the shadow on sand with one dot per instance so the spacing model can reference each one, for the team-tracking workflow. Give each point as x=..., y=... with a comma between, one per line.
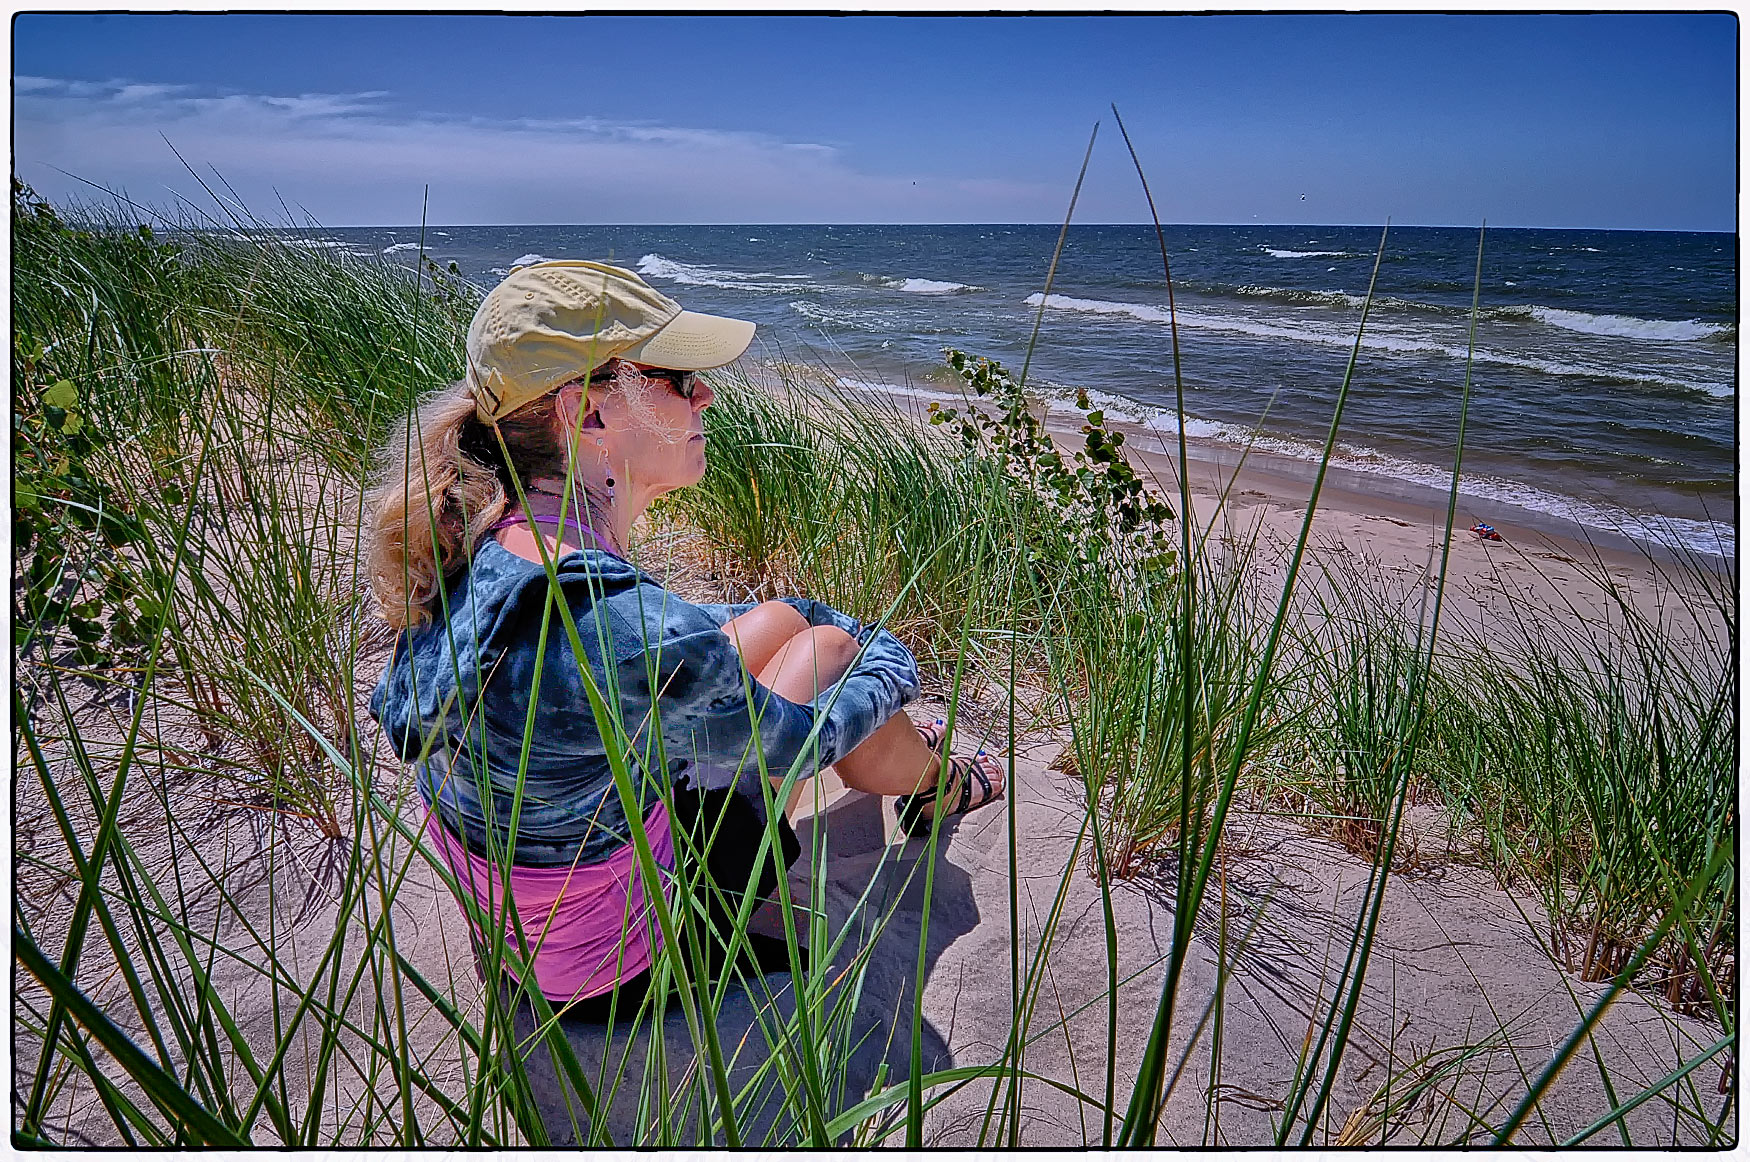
x=874, y=896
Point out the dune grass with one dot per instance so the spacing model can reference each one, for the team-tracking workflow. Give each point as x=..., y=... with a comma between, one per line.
x=1597, y=755
x=190, y=628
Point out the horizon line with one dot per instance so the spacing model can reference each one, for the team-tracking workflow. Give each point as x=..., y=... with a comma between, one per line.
x=1044, y=224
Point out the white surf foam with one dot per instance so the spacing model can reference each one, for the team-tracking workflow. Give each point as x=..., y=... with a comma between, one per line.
x=929, y=286
x=531, y=259
x=312, y=243
x=1626, y=326
x=694, y=274
x=1305, y=332
x=878, y=322
x=399, y=246
x=1274, y=253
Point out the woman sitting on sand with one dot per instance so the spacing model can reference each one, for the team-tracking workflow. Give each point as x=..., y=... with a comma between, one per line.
x=582, y=389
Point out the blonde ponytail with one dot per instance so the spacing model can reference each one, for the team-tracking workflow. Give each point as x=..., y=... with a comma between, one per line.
x=443, y=484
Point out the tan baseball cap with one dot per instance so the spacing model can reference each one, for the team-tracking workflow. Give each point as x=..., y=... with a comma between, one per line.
x=553, y=322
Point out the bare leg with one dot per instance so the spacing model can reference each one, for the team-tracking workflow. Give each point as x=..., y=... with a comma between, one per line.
x=762, y=631
x=894, y=760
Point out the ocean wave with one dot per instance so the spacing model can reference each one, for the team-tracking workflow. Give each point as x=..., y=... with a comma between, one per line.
x=1060, y=400
x=1332, y=298
x=877, y=322
x=1294, y=295
x=309, y=243
x=1158, y=420
x=530, y=260
x=691, y=274
x=1621, y=326
x=1300, y=332
x=928, y=286
x=1274, y=253
x=399, y=246
x=890, y=389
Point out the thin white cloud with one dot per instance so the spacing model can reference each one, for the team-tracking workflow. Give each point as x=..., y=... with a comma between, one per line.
x=349, y=157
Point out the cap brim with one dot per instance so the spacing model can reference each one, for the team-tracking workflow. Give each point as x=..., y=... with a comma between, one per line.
x=694, y=342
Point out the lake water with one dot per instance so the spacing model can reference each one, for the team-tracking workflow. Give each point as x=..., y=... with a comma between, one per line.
x=1603, y=377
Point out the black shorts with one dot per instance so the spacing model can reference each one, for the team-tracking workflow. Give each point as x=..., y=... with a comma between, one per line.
x=727, y=828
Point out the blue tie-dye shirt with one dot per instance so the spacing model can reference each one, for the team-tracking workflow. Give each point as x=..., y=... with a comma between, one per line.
x=455, y=700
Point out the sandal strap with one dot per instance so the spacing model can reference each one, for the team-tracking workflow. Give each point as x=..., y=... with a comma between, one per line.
x=961, y=768
x=965, y=768
x=984, y=786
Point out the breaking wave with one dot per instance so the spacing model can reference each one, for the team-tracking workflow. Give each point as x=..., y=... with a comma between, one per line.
x=1624, y=326
x=1300, y=331
x=692, y=274
x=928, y=286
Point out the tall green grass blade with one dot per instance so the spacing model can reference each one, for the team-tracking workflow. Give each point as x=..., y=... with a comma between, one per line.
x=1571, y=1045
x=1142, y=1117
x=1622, y=1110
x=160, y=1086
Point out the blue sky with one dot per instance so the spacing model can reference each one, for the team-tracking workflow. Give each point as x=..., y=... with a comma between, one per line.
x=1605, y=121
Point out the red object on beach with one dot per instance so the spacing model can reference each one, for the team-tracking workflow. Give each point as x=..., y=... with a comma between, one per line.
x=1485, y=532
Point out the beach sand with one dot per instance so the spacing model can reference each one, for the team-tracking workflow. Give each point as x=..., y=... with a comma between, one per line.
x=1457, y=965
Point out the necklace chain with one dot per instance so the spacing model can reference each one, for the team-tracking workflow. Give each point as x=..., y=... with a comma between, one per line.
x=563, y=520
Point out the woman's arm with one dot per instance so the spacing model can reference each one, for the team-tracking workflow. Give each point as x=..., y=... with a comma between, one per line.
x=711, y=712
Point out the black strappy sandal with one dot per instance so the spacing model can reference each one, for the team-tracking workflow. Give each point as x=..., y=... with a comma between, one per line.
x=910, y=808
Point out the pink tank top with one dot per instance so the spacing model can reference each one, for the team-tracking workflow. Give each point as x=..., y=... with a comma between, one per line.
x=590, y=926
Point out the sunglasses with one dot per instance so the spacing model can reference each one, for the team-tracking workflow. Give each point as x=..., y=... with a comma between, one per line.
x=684, y=383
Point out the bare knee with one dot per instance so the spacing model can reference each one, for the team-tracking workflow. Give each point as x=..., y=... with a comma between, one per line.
x=775, y=618
x=834, y=649
x=763, y=632
x=810, y=662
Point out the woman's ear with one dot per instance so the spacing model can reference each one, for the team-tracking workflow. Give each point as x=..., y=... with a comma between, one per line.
x=572, y=399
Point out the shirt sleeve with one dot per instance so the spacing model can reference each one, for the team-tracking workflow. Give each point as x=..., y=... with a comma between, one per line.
x=686, y=683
